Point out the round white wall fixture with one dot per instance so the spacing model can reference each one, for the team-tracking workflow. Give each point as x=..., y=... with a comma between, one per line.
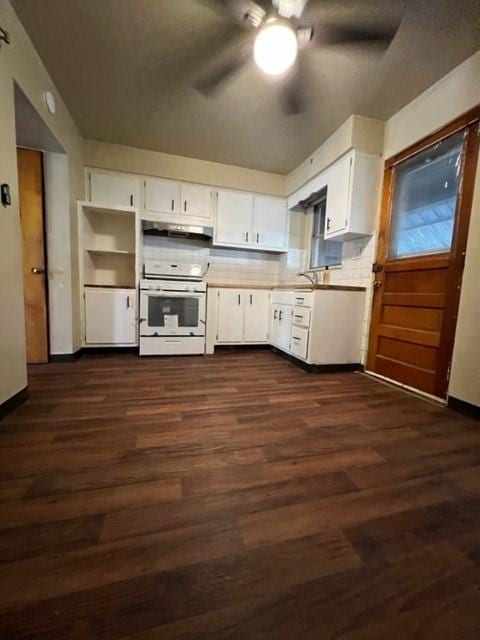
x=50, y=101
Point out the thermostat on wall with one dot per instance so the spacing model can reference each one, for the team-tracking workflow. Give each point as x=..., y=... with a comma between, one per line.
x=49, y=101
x=5, y=194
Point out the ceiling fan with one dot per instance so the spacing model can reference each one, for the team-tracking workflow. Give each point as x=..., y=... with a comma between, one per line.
x=272, y=31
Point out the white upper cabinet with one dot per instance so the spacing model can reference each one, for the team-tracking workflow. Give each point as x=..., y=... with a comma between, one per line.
x=197, y=200
x=234, y=218
x=352, y=195
x=338, y=183
x=162, y=196
x=178, y=199
x=113, y=189
x=270, y=218
x=251, y=221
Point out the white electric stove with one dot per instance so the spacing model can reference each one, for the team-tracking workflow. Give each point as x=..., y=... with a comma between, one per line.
x=172, y=309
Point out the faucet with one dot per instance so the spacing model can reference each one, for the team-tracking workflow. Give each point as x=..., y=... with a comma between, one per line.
x=310, y=275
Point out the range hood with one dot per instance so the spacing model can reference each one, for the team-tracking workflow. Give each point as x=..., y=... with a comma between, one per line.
x=173, y=230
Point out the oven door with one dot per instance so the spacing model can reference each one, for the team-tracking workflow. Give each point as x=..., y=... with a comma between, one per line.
x=169, y=313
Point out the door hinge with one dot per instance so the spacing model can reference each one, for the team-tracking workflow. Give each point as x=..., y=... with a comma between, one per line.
x=448, y=371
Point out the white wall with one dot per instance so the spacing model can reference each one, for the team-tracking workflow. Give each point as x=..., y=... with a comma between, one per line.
x=20, y=62
x=153, y=163
x=57, y=205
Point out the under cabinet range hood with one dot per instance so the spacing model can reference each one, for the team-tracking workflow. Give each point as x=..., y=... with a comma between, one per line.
x=173, y=230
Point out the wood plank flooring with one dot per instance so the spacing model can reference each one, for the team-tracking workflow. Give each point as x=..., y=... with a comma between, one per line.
x=235, y=496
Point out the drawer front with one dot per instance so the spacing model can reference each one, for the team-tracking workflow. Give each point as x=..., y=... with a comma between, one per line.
x=303, y=298
x=301, y=317
x=299, y=343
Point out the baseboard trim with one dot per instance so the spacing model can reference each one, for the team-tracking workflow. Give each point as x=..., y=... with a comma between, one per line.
x=12, y=403
x=95, y=351
x=467, y=408
x=240, y=347
x=66, y=357
x=320, y=368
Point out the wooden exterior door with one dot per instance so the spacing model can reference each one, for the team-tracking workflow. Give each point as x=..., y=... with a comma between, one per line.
x=427, y=198
x=30, y=185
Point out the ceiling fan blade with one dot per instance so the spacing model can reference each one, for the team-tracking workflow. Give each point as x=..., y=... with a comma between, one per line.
x=225, y=65
x=332, y=34
x=244, y=12
x=294, y=91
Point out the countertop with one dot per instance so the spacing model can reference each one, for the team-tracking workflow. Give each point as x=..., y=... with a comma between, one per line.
x=289, y=287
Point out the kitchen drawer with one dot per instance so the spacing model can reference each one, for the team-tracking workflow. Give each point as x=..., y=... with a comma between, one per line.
x=303, y=298
x=299, y=343
x=301, y=316
x=282, y=297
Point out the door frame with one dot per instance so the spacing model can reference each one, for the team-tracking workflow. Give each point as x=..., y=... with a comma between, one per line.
x=455, y=257
x=45, y=243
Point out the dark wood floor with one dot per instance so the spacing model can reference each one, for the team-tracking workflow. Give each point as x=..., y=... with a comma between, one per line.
x=235, y=496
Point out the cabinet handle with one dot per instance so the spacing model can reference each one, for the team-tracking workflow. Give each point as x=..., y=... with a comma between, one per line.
x=239, y=299
x=246, y=236
x=300, y=299
x=131, y=199
x=280, y=314
x=328, y=223
x=250, y=299
x=296, y=316
x=185, y=206
x=275, y=311
x=128, y=302
x=173, y=204
x=258, y=237
x=295, y=338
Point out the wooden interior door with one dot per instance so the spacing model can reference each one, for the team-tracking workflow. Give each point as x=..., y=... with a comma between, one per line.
x=427, y=198
x=30, y=184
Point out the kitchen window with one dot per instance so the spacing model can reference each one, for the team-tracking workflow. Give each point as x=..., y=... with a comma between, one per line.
x=323, y=253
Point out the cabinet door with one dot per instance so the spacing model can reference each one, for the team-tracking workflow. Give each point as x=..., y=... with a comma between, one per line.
x=273, y=328
x=114, y=189
x=230, y=310
x=256, y=315
x=196, y=200
x=110, y=316
x=284, y=326
x=234, y=218
x=338, y=186
x=270, y=223
x=162, y=196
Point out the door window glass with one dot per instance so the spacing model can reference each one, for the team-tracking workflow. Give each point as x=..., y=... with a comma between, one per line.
x=183, y=312
x=425, y=199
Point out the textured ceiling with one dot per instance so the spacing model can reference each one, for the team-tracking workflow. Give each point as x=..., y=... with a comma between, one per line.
x=126, y=67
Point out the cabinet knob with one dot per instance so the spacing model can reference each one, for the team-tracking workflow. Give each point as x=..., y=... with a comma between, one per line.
x=377, y=284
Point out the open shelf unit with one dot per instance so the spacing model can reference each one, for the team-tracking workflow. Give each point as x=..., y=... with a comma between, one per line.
x=109, y=273
x=107, y=245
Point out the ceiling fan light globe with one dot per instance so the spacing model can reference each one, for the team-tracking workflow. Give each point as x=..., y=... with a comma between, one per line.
x=275, y=48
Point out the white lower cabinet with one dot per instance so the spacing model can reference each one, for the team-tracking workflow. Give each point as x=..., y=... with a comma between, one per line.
x=321, y=327
x=110, y=316
x=237, y=316
x=230, y=311
x=256, y=303
x=281, y=326
x=299, y=342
